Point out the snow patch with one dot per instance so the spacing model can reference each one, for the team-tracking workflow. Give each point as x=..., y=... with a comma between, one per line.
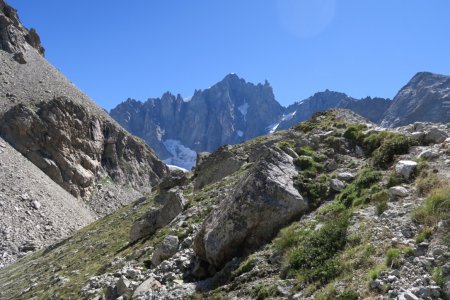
x=173, y=167
x=182, y=156
x=244, y=109
x=240, y=133
x=272, y=128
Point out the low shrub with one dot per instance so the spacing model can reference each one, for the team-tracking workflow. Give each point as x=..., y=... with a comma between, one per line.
x=348, y=294
x=435, y=208
x=314, y=257
x=359, y=191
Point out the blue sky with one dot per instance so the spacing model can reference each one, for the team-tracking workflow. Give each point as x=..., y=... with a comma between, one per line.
x=115, y=49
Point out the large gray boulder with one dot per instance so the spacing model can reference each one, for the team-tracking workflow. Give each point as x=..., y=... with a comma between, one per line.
x=168, y=204
x=264, y=201
x=167, y=249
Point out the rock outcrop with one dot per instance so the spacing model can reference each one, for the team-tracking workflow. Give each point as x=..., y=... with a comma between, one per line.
x=14, y=37
x=76, y=149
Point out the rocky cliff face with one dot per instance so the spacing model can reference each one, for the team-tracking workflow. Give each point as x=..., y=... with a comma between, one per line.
x=58, y=128
x=426, y=98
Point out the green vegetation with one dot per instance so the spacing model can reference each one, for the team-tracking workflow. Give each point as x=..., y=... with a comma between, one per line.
x=305, y=150
x=439, y=278
x=391, y=144
x=313, y=255
x=348, y=294
x=261, y=292
x=307, y=163
x=321, y=120
x=426, y=182
x=435, y=208
x=382, y=146
x=361, y=189
x=105, y=180
x=315, y=189
x=245, y=267
x=424, y=234
x=381, y=201
x=393, y=258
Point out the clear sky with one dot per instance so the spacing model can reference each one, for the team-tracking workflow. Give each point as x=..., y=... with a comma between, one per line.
x=115, y=49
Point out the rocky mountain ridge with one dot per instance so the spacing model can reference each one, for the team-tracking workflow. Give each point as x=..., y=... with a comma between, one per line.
x=176, y=135
x=229, y=112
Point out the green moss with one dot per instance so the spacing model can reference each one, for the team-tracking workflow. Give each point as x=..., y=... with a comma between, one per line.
x=307, y=163
x=435, y=208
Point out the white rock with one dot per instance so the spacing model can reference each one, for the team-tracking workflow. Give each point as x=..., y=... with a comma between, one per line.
x=346, y=176
x=398, y=191
x=337, y=185
x=36, y=204
x=406, y=168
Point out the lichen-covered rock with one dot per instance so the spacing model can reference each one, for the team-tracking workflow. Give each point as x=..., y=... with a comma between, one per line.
x=262, y=202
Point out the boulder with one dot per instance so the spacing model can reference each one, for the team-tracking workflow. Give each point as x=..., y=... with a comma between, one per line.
x=123, y=286
x=346, y=176
x=405, y=168
x=337, y=185
x=398, y=191
x=435, y=135
x=427, y=154
x=148, y=285
x=168, y=205
x=167, y=249
x=264, y=201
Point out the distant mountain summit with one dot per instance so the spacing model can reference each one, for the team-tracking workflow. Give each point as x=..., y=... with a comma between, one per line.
x=229, y=112
x=426, y=98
